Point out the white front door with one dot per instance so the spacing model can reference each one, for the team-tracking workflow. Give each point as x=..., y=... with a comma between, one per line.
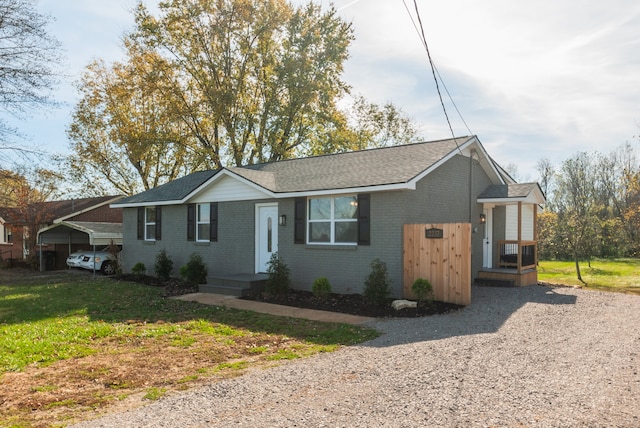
x=487, y=242
x=266, y=234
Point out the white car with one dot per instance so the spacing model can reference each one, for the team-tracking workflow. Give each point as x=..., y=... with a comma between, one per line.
x=103, y=261
x=74, y=259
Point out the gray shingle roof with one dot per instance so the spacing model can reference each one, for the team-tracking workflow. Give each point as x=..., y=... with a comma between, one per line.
x=506, y=191
x=366, y=168
x=174, y=190
x=383, y=166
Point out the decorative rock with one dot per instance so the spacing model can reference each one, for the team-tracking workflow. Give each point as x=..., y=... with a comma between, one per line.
x=401, y=304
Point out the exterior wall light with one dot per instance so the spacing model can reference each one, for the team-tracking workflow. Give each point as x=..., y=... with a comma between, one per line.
x=483, y=218
x=282, y=221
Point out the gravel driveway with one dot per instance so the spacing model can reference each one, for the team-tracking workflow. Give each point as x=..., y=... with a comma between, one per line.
x=516, y=357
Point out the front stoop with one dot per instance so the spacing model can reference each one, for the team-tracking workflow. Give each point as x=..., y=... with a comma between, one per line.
x=240, y=285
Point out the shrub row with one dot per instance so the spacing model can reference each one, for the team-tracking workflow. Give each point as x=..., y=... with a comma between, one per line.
x=377, y=284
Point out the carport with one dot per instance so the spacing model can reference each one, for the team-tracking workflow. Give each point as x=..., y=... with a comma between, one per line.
x=69, y=236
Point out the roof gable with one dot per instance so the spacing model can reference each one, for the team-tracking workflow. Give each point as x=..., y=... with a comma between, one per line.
x=225, y=188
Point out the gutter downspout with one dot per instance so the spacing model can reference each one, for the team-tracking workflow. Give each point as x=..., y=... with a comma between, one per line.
x=473, y=151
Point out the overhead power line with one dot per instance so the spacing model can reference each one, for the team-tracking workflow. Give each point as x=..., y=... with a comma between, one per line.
x=434, y=71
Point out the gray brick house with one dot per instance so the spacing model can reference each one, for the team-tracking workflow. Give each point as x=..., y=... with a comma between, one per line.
x=332, y=215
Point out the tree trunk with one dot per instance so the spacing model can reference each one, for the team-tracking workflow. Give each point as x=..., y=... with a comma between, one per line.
x=575, y=258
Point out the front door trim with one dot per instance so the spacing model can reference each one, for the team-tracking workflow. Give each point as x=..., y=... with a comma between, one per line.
x=259, y=256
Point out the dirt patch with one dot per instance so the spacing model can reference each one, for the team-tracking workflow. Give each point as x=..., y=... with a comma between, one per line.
x=129, y=370
x=122, y=372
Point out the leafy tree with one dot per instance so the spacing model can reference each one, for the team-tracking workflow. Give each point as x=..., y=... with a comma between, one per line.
x=253, y=81
x=367, y=125
x=25, y=191
x=213, y=84
x=597, y=195
x=27, y=186
x=631, y=213
x=575, y=205
x=550, y=245
x=28, y=57
x=123, y=130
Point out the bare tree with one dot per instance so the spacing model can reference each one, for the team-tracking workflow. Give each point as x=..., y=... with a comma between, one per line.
x=28, y=55
x=547, y=172
x=574, y=201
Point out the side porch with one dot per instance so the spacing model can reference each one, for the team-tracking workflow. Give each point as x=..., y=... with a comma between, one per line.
x=516, y=267
x=510, y=213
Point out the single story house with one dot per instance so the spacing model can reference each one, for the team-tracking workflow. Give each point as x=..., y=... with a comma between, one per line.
x=61, y=227
x=331, y=216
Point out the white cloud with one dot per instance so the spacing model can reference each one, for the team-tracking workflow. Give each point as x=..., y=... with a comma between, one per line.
x=533, y=80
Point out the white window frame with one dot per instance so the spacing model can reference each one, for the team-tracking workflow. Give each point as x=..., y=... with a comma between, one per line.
x=6, y=234
x=148, y=223
x=332, y=221
x=200, y=221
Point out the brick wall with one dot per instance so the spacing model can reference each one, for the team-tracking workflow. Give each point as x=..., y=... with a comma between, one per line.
x=441, y=197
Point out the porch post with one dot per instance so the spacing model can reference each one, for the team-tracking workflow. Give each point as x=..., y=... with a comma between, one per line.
x=519, y=236
x=535, y=232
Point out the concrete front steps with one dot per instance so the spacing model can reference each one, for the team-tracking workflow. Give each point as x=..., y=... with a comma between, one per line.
x=239, y=284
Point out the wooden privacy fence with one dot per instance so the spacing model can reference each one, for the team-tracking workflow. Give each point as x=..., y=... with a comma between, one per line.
x=440, y=253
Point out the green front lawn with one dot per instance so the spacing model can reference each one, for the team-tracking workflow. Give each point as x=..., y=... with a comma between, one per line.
x=612, y=274
x=70, y=344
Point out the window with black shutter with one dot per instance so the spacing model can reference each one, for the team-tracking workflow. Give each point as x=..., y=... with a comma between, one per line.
x=213, y=222
x=141, y=216
x=364, y=219
x=300, y=221
x=158, y=223
x=191, y=222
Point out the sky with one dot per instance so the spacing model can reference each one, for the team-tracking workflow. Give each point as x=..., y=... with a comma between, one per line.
x=531, y=80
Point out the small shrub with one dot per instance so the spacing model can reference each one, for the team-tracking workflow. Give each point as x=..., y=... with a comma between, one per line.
x=378, y=283
x=278, y=281
x=139, y=269
x=195, y=271
x=321, y=287
x=164, y=265
x=423, y=290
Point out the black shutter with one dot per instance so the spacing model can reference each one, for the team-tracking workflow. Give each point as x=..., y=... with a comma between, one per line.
x=158, y=223
x=140, y=223
x=191, y=222
x=213, y=222
x=364, y=219
x=300, y=221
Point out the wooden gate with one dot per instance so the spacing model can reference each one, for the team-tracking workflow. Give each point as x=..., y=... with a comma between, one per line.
x=440, y=253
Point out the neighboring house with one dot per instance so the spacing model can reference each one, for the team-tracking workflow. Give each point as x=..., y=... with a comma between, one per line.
x=332, y=215
x=23, y=229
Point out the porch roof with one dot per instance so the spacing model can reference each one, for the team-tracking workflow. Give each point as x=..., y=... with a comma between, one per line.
x=513, y=193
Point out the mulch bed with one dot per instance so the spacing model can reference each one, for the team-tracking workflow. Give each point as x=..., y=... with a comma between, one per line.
x=354, y=304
